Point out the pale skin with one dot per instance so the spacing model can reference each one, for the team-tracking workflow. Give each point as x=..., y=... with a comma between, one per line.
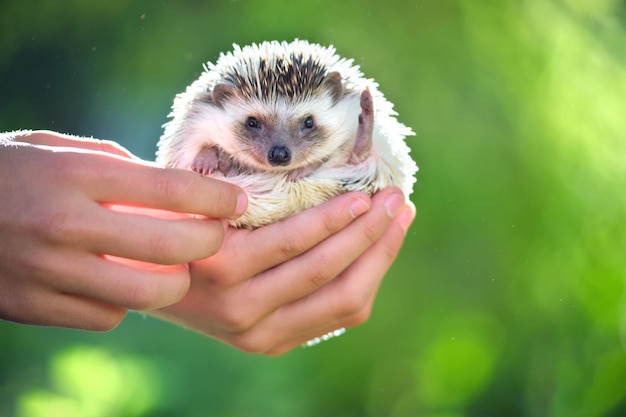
x=88, y=232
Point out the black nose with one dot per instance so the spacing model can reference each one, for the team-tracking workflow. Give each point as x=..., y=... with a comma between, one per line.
x=279, y=155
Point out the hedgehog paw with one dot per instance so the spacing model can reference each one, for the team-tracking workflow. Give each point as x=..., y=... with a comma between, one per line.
x=206, y=162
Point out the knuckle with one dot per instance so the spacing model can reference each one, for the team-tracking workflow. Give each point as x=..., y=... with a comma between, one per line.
x=332, y=224
x=56, y=226
x=38, y=264
x=320, y=275
x=165, y=247
x=371, y=231
x=169, y=188
x=220, y=273
x=142, y=296
x=291, y=246
x=108, y=321
x=250, y=347
x=238, y=320
x=221, y=279
x=354, y=303
x=252, y=343
x=360, y=317
x=213, y=237
x=68, y=167
x=391, y=253
x=19, y=307
x=179, y=243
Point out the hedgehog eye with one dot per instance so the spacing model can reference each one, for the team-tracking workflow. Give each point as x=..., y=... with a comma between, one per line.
x=253, y=123
x=308, y=123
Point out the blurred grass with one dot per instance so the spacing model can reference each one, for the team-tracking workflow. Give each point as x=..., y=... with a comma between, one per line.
x=507, y=298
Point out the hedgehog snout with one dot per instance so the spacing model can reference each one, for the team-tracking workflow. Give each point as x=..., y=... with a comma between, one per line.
x=279, y=155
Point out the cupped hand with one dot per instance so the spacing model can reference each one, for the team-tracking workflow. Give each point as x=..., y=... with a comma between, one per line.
x=67, y=259
x=271, y=289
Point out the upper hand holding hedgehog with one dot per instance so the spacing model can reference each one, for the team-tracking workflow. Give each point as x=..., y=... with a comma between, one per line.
x=291, y=123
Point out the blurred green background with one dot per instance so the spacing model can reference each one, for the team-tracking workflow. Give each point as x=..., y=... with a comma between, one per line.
x=507, y=298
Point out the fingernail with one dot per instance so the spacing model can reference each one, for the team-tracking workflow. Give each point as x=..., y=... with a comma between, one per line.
x=242, y=204
x=405, y=218
x=393, y=204
x=358, y=207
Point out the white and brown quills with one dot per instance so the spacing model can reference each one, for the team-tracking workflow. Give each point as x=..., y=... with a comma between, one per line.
x=291, y=123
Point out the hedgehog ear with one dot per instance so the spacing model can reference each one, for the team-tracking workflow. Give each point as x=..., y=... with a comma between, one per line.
x=222, y=93
x=333, y=83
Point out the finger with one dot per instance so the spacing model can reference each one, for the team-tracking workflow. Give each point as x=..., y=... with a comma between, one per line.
x=109, y=179
x=350, y=297
x=325, y=332
x=135, y=287
x=49, y=138
x=89, y=227
x=144, y=238
x=276, y=243
x=83, y=313
x=46, y=307
x=88, y=314
x=118, y=181
x=308, y=273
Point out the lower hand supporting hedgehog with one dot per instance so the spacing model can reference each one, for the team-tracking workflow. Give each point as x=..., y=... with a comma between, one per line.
x=272, y=289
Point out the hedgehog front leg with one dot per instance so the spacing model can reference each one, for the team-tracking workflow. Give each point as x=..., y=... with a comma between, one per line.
x=226, y=166
x=363, y=143
x=206, y=161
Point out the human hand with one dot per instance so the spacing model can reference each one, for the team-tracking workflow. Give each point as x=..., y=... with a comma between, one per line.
x=65, y=255
x=271, y=289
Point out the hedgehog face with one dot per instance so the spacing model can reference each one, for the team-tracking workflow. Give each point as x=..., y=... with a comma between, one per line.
x=280, y=135
x=285, y=129
x=278, y=107
x=276, y=141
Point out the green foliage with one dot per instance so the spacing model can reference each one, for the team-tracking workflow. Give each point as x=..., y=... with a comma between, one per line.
x=507, y=299
x=90, y=382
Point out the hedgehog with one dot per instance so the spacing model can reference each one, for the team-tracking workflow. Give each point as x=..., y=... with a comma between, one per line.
x=293, y=124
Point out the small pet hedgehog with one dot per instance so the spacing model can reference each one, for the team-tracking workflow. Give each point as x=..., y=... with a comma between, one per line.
x=293, y=124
